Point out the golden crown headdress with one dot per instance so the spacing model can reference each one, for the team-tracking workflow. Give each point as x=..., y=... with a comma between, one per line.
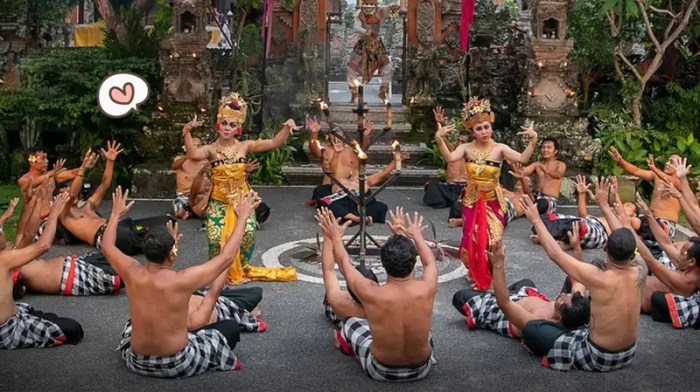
x=477, y=111
x=233, y=106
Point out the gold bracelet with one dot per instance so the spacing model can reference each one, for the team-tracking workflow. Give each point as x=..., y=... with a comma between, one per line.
x=533, y=140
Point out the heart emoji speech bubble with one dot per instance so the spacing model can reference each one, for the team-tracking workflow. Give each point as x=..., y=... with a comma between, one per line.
x=120, y=94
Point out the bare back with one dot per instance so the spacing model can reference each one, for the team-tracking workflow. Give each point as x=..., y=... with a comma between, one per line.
x=158, y=308
x=615, y=307
x=400, y=317
x=83, y=222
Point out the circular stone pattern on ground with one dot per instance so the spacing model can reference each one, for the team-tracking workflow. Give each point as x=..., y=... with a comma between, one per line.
x=304, y=255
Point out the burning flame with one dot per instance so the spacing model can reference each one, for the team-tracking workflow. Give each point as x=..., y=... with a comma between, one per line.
x=357, y=83
x=395, y=145
x=323, y=105
x=361, y=154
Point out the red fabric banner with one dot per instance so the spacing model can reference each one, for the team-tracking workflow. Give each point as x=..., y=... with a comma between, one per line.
x=465, y=23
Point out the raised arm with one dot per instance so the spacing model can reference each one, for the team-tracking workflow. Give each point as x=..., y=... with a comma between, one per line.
x=660, y=235
x=314, y=128
x=357, y=283
x=109, y=155
x=582, y=189
x=270, y=144
x=516, y=314
x=32, y=220
x=9, y=211
x=358, y=23
x=15, y=258
x=441, y=140
x=601, y=197
x=201, y=316
x=518, y=172
x=193, y=152
x=377, y=178
x=26, y=183
x=89, y=161
x=646, y=175
x=577, y=252
x=200, y=275
x=677, y=282
x=121, y=263
x=178, y=161
x=522, y=157
x=585, y=273
x=414, y=230
x=682, y=169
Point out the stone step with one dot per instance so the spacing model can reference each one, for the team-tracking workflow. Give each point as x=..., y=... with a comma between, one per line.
x=382, y=153
x=310, y=174
x=343, y=113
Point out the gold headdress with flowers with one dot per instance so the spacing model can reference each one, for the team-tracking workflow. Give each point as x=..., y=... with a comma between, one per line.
x=477, y=111
x=233, y=106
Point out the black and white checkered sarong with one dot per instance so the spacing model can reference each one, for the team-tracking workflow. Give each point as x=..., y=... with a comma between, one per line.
x=82, y=278
x=510, y=211
x=666, y=262
x=207, y=349
x=592, y=232
x=483, y=312
x=356, y=332
x=181, y=202
x=330, y=313
x=24, y=330
x=552, y=202
x=685, y=311
x=227, y=309
x=670, y=225
x=574, y=350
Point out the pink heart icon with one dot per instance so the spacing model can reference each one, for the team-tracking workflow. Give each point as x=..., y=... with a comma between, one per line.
x=122, y=96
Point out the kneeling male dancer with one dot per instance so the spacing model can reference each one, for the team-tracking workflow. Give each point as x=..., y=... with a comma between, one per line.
x=394, y=342
x=611, y=341
x=22, y=326
x=156, y=341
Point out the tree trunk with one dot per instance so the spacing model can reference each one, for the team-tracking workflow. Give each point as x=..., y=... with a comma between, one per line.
x=112, y=19
x=586, y=84
x=637, y=107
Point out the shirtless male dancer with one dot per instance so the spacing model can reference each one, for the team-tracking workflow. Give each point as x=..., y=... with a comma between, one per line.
x=186, y=170
x=22, y=326
x=156, y=341
x=610, y=342
x=394, y=342
x=336, y=157
x=346, y=208
x=443, y=194
x=83, y=221
x=665, y=208
x=672, y=294
x=509, y=309
x=550, y=172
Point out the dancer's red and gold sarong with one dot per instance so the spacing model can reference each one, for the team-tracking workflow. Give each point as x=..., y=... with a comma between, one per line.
x=483, y=208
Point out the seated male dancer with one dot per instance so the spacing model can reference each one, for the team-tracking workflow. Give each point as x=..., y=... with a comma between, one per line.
x=394, y=342
x=665, y=208
x=509, y=309
x=156, y=341
x=594, y=230
x=444, y=193
x=610, y=342
x=346, y=208
x=513, y=209
x=336, y=157
x=550, y=172
x=83, y=221
x=672, y=294
x=186, y=170
x=22, y=326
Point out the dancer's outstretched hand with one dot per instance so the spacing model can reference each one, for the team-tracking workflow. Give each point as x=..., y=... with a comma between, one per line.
x=330, y=224
x=414, y=227
x=313, y=125
x=439, y=115
x=622, y=216
x=615, y=155
x=581, y=186
x=292, y=125
x=497, y=254
x=250, y=166
x=396, y=223
x=173, y=230
x=529, y=208
x=245, y=208
x=112, y=152
x=669, y=190
x=680, y=165
x=59, y=203
x=528, y=130
x=602, y=191
x=119, y=205
x=444, y=130
x=574, y=237
x=643, y=205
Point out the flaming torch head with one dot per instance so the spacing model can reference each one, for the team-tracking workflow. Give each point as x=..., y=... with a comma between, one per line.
x=360, y=154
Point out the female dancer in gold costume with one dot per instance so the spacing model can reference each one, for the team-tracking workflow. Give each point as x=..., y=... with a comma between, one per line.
x=227, y=159
x=483, y=204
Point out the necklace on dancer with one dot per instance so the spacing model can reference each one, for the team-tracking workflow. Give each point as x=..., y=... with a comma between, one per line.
x=479, y=156
x=228, y=152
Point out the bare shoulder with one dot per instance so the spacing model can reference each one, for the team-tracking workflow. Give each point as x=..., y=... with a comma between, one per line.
x=642, y=270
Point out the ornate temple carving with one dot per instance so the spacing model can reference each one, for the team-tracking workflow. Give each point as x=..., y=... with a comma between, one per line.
x=425, y=22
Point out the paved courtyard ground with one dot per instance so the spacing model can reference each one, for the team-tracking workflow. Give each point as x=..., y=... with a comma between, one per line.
x=297, y=354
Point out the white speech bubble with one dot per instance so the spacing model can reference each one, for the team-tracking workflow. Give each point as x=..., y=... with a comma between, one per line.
x=121, y=93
